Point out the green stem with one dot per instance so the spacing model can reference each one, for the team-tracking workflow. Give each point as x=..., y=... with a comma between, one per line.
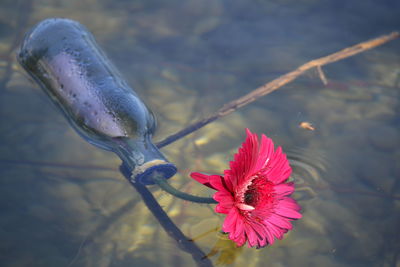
x=162, y=182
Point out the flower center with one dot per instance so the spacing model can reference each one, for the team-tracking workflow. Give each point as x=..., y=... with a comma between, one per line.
x=260, y=192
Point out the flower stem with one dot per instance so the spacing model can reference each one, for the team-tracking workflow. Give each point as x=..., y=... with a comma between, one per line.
x=162, y=182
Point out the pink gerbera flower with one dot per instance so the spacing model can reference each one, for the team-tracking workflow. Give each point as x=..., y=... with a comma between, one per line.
x=254, y=193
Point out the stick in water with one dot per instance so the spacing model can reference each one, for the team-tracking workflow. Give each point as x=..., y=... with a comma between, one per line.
x=277, y=83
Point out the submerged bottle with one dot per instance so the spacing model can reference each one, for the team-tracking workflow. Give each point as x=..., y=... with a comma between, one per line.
x=63, y=58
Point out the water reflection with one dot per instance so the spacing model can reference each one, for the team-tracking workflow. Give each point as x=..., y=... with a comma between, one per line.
x=186, y=60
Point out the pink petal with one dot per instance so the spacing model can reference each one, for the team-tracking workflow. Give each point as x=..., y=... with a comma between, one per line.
x=289, y=203
x=260, y=234
x=230, y=221
x=262, y=243
x=287, y=212
x=223, y=196
x=223, y=208
x=276, y=231
x=258, y=228
x=269, y=236
x=201, y=178
x=252, y=237
x=265, y=152
x=245, y=207
x=284, y=189
x=244, y=161
x=228, y=180
x=240, y=240
x=279, y=221
x=218, y=183
x=279, y=169
x=239, y=227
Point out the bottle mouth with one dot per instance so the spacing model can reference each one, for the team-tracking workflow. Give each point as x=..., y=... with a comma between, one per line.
x=144, y=173
x=144, y=160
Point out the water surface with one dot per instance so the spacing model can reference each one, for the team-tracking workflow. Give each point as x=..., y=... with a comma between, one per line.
x=64, y=203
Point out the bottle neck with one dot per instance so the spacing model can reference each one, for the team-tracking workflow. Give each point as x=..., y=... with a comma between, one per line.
x=148, y=166
x=143, y=158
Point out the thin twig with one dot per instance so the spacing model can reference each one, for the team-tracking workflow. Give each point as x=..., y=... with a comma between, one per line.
x=279, y=82
x=322, y=76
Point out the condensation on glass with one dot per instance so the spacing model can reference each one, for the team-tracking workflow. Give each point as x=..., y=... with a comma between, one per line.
x=63, y=58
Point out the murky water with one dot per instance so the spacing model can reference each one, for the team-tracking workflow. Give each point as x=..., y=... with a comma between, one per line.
x=63, y=202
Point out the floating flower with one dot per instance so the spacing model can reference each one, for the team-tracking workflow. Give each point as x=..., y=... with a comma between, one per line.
x=254, y=193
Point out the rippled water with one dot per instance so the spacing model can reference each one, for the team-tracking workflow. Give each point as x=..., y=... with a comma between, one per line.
x=63, y=202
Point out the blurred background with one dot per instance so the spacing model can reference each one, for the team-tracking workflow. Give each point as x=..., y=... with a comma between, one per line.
x=63, y=202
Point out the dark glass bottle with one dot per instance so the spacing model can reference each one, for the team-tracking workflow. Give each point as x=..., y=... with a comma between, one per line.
x=64, y=59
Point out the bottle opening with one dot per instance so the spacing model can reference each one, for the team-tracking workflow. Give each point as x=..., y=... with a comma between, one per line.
x=144, y=173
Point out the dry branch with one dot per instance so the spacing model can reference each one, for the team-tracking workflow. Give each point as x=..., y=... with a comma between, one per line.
x=279, y=82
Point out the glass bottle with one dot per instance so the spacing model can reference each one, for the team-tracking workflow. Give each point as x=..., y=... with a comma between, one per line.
x=63, y=58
